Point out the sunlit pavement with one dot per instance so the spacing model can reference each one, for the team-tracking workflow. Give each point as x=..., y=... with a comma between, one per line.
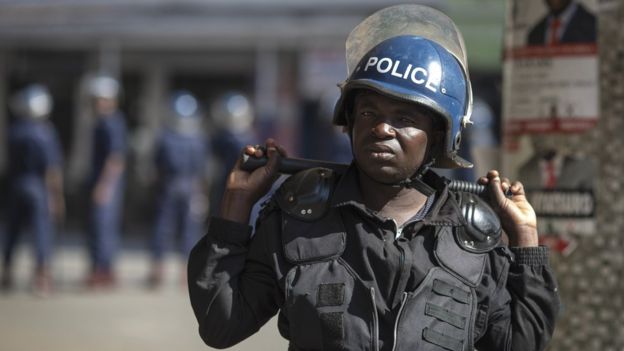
x=130, y=317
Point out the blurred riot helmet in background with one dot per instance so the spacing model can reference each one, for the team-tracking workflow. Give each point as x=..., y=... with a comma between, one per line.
x=105, y=93
x=34, y=101
x=232, y=111
x=184, y=115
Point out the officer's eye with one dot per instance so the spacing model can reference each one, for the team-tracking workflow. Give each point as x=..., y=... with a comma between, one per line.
x=408, y=120
x=413, y=120
x=367, y=114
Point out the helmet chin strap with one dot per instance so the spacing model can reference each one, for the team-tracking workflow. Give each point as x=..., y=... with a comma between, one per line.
x=415, y=181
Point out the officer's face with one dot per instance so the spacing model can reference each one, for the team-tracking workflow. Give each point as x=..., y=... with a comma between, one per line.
x=104, y=106
x=390, y=137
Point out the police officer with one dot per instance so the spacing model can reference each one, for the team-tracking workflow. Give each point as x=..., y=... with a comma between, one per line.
x=232, y=115
x=383, y=256
x=106, y=181
x=180, y=162
x=36, y=186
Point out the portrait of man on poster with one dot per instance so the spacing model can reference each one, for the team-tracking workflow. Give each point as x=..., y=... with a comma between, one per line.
x=566, y=22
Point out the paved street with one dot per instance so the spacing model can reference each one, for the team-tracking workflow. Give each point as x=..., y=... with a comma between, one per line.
x=129, y=318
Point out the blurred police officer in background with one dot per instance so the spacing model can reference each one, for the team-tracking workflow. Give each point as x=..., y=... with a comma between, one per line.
x=333, y=144
x=180, y=159
x=106, y=181
x=35, y=182
x=232, y=116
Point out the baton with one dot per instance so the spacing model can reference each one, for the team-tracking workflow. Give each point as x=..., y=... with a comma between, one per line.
x=292, y=165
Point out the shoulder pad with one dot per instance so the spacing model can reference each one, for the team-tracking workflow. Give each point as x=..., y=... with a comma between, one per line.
x=482, y=231
x=305, y=195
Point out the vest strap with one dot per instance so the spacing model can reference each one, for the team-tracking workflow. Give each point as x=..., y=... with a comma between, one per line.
x=442, y=340
x=456, y=293
x=445, y=315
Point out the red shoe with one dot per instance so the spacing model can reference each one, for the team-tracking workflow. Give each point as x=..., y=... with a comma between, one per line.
x=155, y=277
x=100, y=279
x=108, y=279
x=43, y=286
x=7, y=283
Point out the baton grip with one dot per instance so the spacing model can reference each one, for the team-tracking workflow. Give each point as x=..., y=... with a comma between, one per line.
x=292, y=165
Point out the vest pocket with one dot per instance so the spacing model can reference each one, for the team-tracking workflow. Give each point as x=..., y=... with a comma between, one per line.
x=326, y=308
x=437, y=315
x=317, y=296
x=330, y=295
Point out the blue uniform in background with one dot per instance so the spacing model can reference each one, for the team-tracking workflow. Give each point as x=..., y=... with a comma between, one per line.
x=109, y=138
x=180, y=160
x=33, y=149
x=336, y=147
x=227, y=147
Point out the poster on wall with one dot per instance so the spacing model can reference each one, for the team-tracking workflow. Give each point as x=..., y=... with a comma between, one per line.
x=550, y=97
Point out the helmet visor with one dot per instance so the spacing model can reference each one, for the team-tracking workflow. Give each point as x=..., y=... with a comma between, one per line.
x=412, y=20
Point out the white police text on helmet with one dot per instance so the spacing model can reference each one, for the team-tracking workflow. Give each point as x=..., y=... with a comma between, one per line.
x=429, y=77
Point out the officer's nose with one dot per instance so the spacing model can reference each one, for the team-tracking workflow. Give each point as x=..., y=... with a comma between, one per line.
x=382, y=129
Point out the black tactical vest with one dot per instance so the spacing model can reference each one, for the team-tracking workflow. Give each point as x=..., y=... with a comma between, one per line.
x=325, y=297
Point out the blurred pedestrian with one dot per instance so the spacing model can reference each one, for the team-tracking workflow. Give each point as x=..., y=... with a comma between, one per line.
x=35, y=183
x=180, y=162
x=106, y=182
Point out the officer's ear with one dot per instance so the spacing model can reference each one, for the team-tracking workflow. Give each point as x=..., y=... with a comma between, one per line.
x=437, y=142
x=349, y=106
x=436, y=139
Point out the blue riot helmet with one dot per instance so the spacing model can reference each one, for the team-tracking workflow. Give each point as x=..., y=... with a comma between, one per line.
x=232, y=111
x=184, y=104
x=412, y=53
x=184, y=110
x=104, y=87
x=34, y=101
x=104, y=91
